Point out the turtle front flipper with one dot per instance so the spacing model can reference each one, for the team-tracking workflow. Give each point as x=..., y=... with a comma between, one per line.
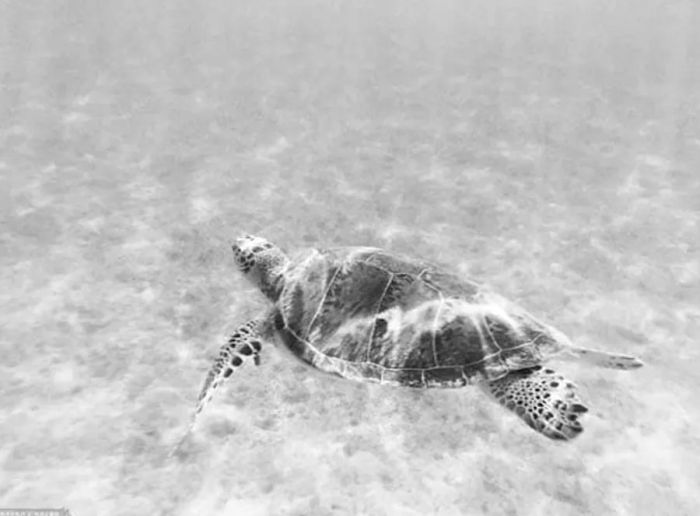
x=242, y=347
x=545, y=400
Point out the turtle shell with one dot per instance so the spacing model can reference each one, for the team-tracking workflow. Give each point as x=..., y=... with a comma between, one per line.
x=365, y=314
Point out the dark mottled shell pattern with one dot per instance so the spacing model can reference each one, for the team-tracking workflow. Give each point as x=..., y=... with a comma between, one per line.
x=365, y=314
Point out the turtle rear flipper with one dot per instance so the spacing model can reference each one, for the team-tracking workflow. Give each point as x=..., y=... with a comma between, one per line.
x=545, y=400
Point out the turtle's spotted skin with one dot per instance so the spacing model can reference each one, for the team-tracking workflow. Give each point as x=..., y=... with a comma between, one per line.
x=369, y=315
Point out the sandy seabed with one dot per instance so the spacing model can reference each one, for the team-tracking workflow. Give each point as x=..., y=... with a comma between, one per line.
x=552, y=151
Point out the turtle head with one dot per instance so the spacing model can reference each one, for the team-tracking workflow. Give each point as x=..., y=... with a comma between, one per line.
x=262, y=262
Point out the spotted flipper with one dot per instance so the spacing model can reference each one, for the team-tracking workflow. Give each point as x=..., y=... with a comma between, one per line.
x=545, y=400
x=242, y=347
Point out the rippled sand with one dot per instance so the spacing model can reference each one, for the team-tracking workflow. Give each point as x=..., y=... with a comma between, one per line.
x=553, y=152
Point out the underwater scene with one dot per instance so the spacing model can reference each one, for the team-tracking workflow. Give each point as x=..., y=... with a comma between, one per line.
x=548, y=149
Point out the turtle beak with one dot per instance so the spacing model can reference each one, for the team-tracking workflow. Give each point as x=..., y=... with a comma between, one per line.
x=247, y=248
x=251, y=243
x=241, y=240
x=242, y=243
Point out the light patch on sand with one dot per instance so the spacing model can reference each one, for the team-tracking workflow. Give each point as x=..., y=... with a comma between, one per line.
x=34, y=192
x=83, y=489
x=137, y=243
x=686, y=273
x=654, y=161
x=202, y=209
x=183, y=352
x=146, y=188
x=144, y=235
x=83, y=100
x=75, y=118
x=480, y=178
x=93, y=224
x=626, y=308
x=54, y=295
x=208, y=499
x=436, y=172
x=17, y=130
x=64, y=376
x=631, y=187
x=656, y=447
x=525, y=152
x=148, y=295
x=203, y=206
x=610, y=254
x=249, y=507
x=647, y=174
x=389, y=231
x=268, y=153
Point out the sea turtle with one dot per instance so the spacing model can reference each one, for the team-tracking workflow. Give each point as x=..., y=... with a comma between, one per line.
x=370, y=315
